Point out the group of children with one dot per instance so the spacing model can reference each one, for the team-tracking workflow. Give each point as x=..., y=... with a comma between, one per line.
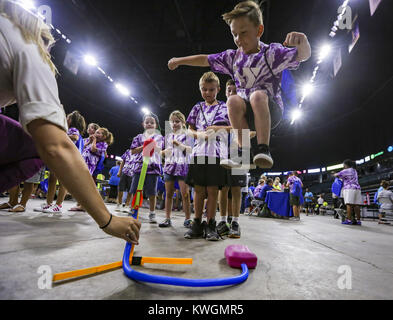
x=191, y=154
x=257, y=105
x=93, y=150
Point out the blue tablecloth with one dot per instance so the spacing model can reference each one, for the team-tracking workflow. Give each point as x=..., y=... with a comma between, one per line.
x=278, y=202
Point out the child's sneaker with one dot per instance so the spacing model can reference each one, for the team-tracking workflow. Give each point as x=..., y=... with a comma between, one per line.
x=42, y=207
x=356, y=223
x=348, y=222
x=229, y=220
x=262, y=157
x=237, y=161
x=222, y=228
x=53, y=209
x=196, y=230
x=211, y=231
x=187, y=223
x=152, y=218
x=165, y=224
x=234, y=232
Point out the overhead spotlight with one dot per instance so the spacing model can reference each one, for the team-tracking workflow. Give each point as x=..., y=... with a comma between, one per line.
x=307, y=89
x=296, y=114
x=90, y=60
x=27, y=4
x=332, y=34
x=390, y=148
x=145, y=110
x=325, y=50
x=122, y=89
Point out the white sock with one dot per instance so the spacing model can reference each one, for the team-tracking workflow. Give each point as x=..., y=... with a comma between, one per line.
x=223, y=218
x=152, y=214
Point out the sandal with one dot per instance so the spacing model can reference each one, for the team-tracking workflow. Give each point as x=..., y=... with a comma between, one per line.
x=17, y=208
x=5, y=206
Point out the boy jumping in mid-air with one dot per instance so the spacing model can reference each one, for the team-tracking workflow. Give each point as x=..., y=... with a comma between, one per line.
x=256, y=69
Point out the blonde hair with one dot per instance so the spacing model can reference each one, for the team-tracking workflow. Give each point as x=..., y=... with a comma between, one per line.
x=94, y=125
x=108, y=136
x=34, y=30
x=209, y=77
x=248, y=9
x=180, y=116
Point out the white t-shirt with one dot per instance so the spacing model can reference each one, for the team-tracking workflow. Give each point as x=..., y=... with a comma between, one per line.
x=320, y=200
x=26, y=79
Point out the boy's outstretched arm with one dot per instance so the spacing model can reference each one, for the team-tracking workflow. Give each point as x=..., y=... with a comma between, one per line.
x=300, y=41
x=193, y=61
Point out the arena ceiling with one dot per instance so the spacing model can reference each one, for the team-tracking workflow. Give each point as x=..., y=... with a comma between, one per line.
x=347, y=116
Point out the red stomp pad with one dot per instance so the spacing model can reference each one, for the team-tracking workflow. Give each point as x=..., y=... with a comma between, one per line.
x=237, y=254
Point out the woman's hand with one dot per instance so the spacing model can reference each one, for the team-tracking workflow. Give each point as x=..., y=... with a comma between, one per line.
x=125, y=228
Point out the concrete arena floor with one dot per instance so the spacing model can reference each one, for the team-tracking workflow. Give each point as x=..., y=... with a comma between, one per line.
x=297, y=260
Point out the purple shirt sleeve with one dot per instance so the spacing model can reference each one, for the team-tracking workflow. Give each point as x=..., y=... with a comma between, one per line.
x=222, y=62
x=281, y=58
x=343, y=173
x=136, y=142
x=101, y=147
x=191, y=120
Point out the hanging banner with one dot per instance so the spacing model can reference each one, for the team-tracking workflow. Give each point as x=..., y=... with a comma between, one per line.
x=337, y=62
x=72, y=62
x=374, y=5
x=355, y=36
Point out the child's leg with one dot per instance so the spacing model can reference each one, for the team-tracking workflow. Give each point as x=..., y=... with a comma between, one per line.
x=260, y=106
x=349, y=212
x=152, y=203
x=212, y=195
x=199, y=200
x=120, y=197
x=230, y=204
x=14, y=195
x=50, y=196
x=237, y=115
x=61, y=195
x=27, y=191
x=223, y=200
x=185, y=193
x=357, y=212
x=170, y=189
x=236, y=201
x=128, y=199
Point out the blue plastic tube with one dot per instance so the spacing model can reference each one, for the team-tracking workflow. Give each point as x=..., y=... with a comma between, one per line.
x=139, y=276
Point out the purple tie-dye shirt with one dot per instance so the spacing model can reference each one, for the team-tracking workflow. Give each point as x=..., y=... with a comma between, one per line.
x=250, y=72
x=350, y=179
x=177, y=163
x=257, y=189
x=73, y=132
x=128, y=159
x=155, y=161
x=92, y=158
x=216, y=115
x=291, y=182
